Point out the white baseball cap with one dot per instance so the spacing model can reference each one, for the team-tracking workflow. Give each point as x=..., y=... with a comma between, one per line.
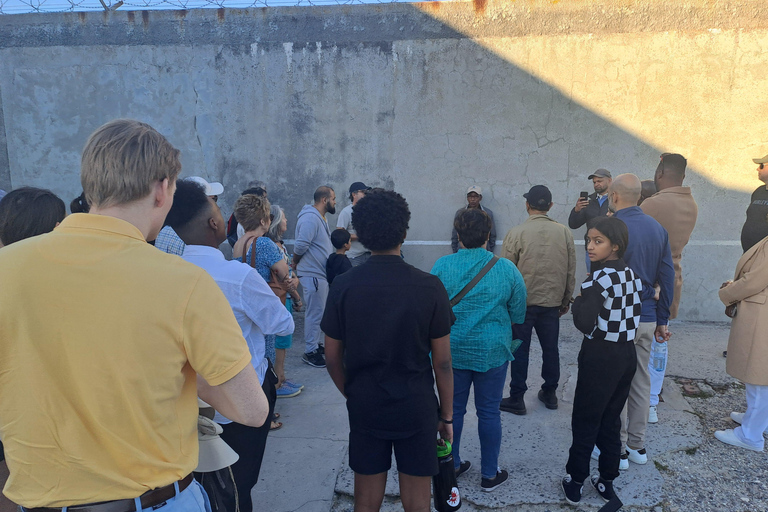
x=211, y=189
x=475, y=189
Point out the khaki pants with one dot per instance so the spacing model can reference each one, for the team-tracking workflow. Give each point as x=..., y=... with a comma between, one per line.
x=634, y=417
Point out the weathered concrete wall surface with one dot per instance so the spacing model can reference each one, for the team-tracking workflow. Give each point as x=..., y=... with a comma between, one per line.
x=425, y=98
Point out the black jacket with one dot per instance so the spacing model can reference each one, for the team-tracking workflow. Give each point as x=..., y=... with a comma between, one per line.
x=593, y=209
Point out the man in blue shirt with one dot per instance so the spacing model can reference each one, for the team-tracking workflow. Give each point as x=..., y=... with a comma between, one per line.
x=650, y=257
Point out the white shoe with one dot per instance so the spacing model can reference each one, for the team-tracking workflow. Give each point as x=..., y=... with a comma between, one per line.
x=637, y=456
x=623, y=462
x=595, y=453
x=729, y=437
x=738, y=417
x=653, y=416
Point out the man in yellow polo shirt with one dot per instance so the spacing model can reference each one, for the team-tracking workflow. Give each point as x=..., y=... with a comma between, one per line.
x=105, y=343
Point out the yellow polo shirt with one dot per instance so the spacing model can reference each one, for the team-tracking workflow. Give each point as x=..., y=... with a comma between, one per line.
x=100, y=338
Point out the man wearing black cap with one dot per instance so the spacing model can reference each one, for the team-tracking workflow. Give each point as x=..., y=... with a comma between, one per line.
x=358, y=254
x=594, y=205
x=756, y=226
x=544, y=253
x=474, y=196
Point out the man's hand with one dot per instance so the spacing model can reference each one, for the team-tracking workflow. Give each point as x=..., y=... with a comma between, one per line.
x=446, y=431
x=581, y=204
x=565, y=309
x=657, y=295
x=725, y=284
x=661, y=334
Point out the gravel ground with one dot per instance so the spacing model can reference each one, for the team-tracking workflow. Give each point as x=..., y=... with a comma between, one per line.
x=715, y=476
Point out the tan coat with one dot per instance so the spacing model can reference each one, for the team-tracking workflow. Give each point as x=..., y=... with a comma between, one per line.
x=748, y=343
x=543, y=251
x=675, y=209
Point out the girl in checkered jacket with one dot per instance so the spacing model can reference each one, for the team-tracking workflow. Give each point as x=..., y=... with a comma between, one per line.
x=608, y=313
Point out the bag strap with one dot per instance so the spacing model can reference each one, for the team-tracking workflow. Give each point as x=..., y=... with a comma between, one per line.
x=455, y=300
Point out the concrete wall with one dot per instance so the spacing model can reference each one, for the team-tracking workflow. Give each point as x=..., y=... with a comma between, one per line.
x=424, y=98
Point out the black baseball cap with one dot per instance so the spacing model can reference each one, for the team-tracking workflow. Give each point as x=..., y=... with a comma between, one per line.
x=539, y=197
x=357, y=186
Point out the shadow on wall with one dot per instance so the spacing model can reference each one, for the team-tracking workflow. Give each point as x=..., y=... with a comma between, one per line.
x=300, y=97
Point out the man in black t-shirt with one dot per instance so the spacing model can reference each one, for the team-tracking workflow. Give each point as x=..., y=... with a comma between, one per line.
x=756, y=226
x=381, y=321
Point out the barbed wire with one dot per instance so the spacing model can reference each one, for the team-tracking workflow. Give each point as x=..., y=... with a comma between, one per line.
x=33, y=6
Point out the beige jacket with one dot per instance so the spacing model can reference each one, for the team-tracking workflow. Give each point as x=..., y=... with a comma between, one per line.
x=748, y=343
x=675, y=209
x=544, y=253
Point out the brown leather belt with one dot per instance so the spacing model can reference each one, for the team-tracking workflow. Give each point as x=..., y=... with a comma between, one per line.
x=148, y=500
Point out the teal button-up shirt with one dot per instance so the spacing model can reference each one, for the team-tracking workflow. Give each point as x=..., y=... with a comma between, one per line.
x=481, y=338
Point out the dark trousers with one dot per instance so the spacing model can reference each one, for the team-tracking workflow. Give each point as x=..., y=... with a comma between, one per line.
x=606, y=370
x=249, y=443
x=546, y=321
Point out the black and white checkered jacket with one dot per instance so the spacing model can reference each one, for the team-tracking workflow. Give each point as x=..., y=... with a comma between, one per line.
x=609, y=306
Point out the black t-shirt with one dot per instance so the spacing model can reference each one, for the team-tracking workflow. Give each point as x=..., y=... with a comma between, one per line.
x=386, y=312
x=336, y=265
x=756, y=226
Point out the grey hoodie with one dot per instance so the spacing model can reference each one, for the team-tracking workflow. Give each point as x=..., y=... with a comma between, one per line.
x=313, y=243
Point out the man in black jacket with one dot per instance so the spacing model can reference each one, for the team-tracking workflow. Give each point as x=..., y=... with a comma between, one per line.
x=596, y=205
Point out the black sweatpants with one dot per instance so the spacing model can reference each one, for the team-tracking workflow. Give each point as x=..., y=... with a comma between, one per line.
x=605, y=376
x=249, y=443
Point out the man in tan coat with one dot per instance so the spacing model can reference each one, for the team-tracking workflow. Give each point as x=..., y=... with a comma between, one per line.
x=748, y=346
x=674, y=208
x=544, y=252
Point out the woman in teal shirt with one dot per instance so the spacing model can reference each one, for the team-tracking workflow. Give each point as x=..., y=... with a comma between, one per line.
x=481, y=339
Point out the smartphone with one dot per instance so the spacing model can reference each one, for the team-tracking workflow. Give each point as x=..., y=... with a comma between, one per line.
x=584, y=195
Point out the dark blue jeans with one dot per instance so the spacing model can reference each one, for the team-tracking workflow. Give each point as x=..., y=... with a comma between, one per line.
x=489, y=389
x=546, y=321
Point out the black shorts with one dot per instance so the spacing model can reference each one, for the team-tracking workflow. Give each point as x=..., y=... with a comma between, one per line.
x=415, y=455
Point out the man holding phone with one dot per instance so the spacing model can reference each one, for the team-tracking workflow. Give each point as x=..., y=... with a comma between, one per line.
x=593, y=205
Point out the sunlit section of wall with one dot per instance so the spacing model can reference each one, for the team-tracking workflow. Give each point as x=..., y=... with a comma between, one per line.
x=694, y=90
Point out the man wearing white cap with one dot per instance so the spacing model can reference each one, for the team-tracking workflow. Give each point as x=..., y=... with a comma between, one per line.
x=474, y=196
x=756, y=226
x=167, y=240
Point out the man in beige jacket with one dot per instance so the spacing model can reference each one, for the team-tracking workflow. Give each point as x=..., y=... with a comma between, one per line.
x=674, y=208
x=544, y=253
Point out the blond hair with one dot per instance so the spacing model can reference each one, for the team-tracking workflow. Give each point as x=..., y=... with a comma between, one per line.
x=123, y=159
x=251, y=210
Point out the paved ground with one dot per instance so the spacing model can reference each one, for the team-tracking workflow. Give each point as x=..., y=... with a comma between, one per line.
x=305, y=467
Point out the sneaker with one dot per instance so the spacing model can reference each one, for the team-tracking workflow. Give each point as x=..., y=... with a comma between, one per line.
x=637, y=456
x=321, y=348
x=287, y=392
x=489, y=484
x=653, y=415
x=738, y=417
x=603, y=487
x=623, y=462
x=515, y=405
x=463, y=468
x=314, y=358
x=595, y=453
x=729, y=437
x=549, y=398
x=571, y=489
x=294, y=385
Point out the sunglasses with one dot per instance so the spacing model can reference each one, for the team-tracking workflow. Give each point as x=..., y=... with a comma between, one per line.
x=762, y=166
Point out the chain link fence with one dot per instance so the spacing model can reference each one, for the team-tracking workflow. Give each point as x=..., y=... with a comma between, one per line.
x=30, y=6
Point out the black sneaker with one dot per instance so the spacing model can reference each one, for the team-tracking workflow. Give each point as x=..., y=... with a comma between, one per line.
x=603, y=487
x=489, y=484
x=321, y=348
x=314, y=358
x=572, y=490
x=549, y=398
x=463, y=468
x=515, y=405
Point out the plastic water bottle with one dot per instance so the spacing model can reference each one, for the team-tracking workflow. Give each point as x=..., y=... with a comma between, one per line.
x=445, y=489
x=659, y=356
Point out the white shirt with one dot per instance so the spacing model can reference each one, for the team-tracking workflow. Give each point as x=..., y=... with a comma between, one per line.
x=256, y=307
x=345, y=221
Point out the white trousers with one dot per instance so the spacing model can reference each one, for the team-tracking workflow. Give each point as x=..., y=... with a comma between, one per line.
x=756, y=418
x=315, y=293
x=657, y=377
